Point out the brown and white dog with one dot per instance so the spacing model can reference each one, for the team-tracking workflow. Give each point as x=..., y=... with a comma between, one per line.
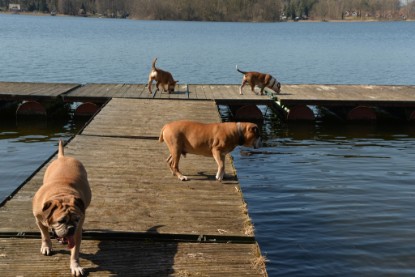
x=261, y=80
x=161, y=77
x=214, y=139
x=60, y=205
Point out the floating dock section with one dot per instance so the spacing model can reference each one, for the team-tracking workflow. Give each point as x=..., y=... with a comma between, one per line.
x=142, y=221
x=295, y=102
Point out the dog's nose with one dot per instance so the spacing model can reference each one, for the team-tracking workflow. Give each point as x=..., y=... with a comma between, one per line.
x=71, y=230
x=258, y=144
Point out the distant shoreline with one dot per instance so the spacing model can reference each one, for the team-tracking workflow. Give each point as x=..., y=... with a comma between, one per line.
x=285, y=21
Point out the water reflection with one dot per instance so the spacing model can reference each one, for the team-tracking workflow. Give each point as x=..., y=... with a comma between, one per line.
x=332, y=199
x=26, y=142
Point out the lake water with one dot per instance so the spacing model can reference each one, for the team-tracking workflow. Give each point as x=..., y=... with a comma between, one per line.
x=326, y=199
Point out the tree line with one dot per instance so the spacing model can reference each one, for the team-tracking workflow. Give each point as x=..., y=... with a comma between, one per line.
x=226, y=10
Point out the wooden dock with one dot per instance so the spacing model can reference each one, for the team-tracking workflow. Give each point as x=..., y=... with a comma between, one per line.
x=142, y=221
x=294, y=101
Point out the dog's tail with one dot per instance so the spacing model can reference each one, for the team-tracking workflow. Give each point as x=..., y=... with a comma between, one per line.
x=153, y=66
x=161, y=139
x=237, y=69
x=60, y=151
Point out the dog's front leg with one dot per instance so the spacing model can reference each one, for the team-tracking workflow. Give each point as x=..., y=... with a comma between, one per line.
x=76, y=268
x=46, y=246
x=220, y=160
x=262, y=90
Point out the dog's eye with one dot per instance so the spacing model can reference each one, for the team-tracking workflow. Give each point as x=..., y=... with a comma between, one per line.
x=62, y=221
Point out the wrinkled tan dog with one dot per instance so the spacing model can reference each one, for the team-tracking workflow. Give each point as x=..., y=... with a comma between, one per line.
x=60, y=205
x=214, y=139
x=161, y=77
x=261, y=80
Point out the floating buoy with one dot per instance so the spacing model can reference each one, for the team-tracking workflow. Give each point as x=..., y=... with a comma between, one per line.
x=362, y=113
x=31, y=108
x=300, y=112
x=86, y=109
x=248, y=112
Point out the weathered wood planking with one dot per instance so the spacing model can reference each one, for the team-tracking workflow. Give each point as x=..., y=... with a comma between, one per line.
x=91, y=91
x=133, y=190
x=290, y=93
x=21, y=257
x=34, y=90
x=341, y=94
x=145, y=117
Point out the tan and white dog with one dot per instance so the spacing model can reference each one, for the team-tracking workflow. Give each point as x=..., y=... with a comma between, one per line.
x=163, y=78
x=214, y=139
x=60, y=205
x=261, y=80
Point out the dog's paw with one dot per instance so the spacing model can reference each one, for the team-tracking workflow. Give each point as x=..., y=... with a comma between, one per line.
x=76, y=269
x=183, y=178
x=46, y=248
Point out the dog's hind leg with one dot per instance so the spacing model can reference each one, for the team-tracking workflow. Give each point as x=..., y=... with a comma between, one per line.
x=169, y=162
x=150, y=84
x=175, y=166
x=220, y=160
x=242, y=85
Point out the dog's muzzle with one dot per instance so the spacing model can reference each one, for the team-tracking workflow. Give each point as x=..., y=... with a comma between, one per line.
x=274, y=85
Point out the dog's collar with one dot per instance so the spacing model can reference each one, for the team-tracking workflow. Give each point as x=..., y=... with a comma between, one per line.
x=240, y=134
x=273, y=81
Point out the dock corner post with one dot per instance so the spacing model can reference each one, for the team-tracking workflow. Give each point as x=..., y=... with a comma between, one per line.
x=362, y=113
x=30, y=108
x=300, y=112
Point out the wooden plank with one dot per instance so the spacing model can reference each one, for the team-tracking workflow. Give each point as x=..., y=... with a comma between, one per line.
x=146, y=117
x=88, y=91
x=133, y=190
x=196, y=92
x=208, y=92
x=35, y=89
x=21, y=257
x=339, y=93
x=136, y=91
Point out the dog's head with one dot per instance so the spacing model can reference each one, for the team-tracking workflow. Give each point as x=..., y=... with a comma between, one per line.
x=251, y=135
x=63, y=217
x=172, y=86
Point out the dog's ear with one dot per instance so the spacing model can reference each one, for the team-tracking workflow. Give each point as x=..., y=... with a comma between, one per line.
x=47, y=205
x=80, y=204
x=48, y=208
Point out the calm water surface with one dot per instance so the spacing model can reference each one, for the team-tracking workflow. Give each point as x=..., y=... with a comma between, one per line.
x=326, y=200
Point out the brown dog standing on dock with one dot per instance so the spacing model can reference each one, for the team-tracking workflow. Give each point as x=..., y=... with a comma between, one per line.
x=161, y=77
x=214, y=139
x=261, y=80
x=60, y=205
